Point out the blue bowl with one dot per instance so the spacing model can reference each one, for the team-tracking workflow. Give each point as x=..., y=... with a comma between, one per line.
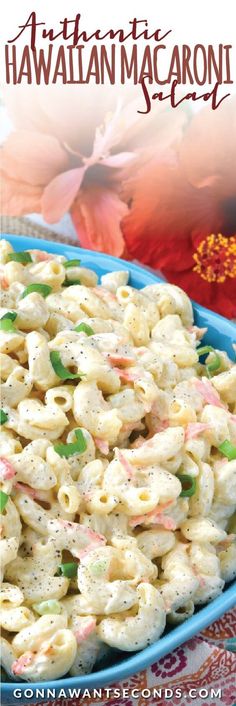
x=221, y=334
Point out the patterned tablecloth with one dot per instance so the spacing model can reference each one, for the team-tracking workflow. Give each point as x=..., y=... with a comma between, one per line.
x=206, y=664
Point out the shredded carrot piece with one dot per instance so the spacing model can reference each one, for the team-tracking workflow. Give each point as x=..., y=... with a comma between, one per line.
x=127, y=375
x=193, y=429
x=7, y=470
x=26, y=489
x=102, y=445
x=20, y=665
x=208, y=393
x=121, y=458
x=83, y=632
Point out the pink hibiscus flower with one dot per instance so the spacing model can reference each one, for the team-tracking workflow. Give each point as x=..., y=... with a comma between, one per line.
x=72, y=150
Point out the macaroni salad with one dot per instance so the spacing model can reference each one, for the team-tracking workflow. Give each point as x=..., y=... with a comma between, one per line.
x=118, y=464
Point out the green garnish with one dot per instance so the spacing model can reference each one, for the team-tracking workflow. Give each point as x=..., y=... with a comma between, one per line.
x=86, y=328
x=48, y=607
x=69, y=570
x=228, y=449
x=60, y=369
x=43, y=289
x=188, y=485
x=23, y=257
x=9, y=315
x=71, y=263
x=6, y=324
x=3, y=417
x=3, y=500
x=69, y=282
x=215, y=363
x=67, y=450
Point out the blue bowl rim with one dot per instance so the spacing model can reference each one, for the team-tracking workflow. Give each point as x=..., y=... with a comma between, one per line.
x=150, y=276
x=198, y=621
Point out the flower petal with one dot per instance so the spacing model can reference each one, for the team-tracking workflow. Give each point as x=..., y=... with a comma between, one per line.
x=19, y=198
x=164, y=211
x=60, y=194
x=61, y=113
x=97, y=214
x=32, y=157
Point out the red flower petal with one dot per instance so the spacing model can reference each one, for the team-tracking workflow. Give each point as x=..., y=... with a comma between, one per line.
x=96, y=215
x=164, y=213
x=33, y=158
x=60, y=194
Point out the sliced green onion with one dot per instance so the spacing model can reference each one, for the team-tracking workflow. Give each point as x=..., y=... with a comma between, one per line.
x=69, y=282
x=67, y=450
x=188, y=485
x=6, y=324
x=9, y=315
x=71, y=263
x=3, y=500
x=86, y=328
x=48, y=607
x=23, y=257
x=3, y=417
x=69, y=570
x=43, y=289
x=60, y=369
x=213, y=364
x=228, y=449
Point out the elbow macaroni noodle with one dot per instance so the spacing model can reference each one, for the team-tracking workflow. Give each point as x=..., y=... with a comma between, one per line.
x=101, y=542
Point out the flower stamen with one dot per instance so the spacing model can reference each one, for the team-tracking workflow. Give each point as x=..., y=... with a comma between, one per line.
x=215, y=258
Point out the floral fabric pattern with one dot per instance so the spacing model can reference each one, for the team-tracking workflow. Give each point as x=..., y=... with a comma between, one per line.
x=171, y=664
